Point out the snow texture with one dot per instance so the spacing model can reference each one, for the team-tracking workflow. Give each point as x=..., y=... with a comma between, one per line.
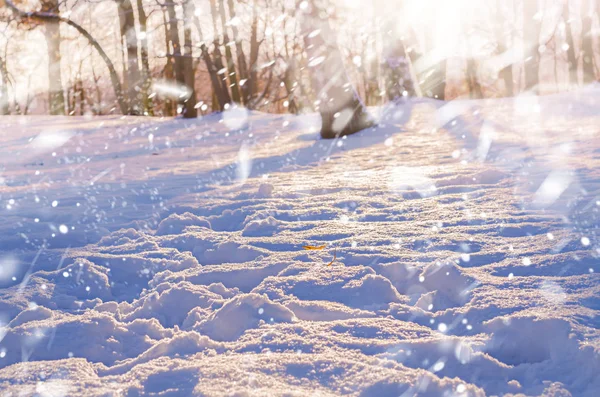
x=465, y=238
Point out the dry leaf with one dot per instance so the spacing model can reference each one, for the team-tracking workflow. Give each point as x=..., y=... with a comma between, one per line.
x=314, y=247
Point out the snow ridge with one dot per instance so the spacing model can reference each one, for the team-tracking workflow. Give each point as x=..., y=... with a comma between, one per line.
x=466, y=255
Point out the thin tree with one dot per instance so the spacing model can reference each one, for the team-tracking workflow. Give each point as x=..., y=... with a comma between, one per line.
x=178, y=59
x=189, y=78
x=290, y=73
x=231, y=72
x=129, y=40
x=4, y=81
x=504, y=29
x=532, y=25
x=217, y=56
x=56, y=99
x=168, y=72
x=571, y=53
x=587, y=46
x=239, y=49
x=219, y=91
x=146, y=76
x=254, y=51
x=50, y=17
x=342, y=112
x=396, y=66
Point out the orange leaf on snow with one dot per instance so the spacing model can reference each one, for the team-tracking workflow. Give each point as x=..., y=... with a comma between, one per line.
x=313, y=247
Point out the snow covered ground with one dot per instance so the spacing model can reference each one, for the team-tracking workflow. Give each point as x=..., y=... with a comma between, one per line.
x=165, y=257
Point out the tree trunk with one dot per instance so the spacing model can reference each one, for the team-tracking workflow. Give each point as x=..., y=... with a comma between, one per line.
x=571, y=54
x=233, y=81
x=473, y=80
x=48, y=17
x=288, y=81
x=168, y=72
x=146, y=76
x=437, y=81
x=132, y=77
x=177, y=56
x=189, y=106
x=289, y=76
x=98, y=109
x=503, y=36
x=220, y=95
x=531, y=34
x=396, y=66
x=254, y=47
x=342, y=112
x=56, y=99
x=4, y=99
x=475, y=91
x=507, y=76
x=587, y=47
x=597, y=9
x=241, y=57
x=218, y=57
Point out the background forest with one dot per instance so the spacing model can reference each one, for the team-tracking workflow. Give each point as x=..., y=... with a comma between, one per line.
x=161, y=58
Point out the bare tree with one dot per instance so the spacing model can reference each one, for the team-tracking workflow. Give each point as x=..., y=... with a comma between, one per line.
x=532, y=24
x=146, y=76
x=129, y=40
x=290, y=74
x=56, y=100
x=571, y=53
x=187, y=92
x=342, y=112
x=189, y=78
x=587, y=46
x=239, y=49
x=4, y=80
x=168, y=72
x=503, y=32
x=254, y=49
x=220, y=93
x=217, y=56
x=231, y=72
x=396, y=63
x=50, y=17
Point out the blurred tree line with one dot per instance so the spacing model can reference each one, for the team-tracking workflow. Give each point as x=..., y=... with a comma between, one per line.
x=190, y=57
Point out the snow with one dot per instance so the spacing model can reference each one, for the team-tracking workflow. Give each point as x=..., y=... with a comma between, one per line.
x=145, y=256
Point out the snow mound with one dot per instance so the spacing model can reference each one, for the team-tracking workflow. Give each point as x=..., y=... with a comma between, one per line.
x=520, y=340
x=242, y=313
x=122, y=237
x=228, y=252
x=261, y=227
x=355, y=286
x=180, y=345
x=81, y=279
x=65, y=335
x=34, y=314
x=245, y=278
x=170, y=303
x=129, y=273
x=324, y=311
x=176, y=223
x=56, y=378
x=265, y=190
x=447, y=286
x=228, y=220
